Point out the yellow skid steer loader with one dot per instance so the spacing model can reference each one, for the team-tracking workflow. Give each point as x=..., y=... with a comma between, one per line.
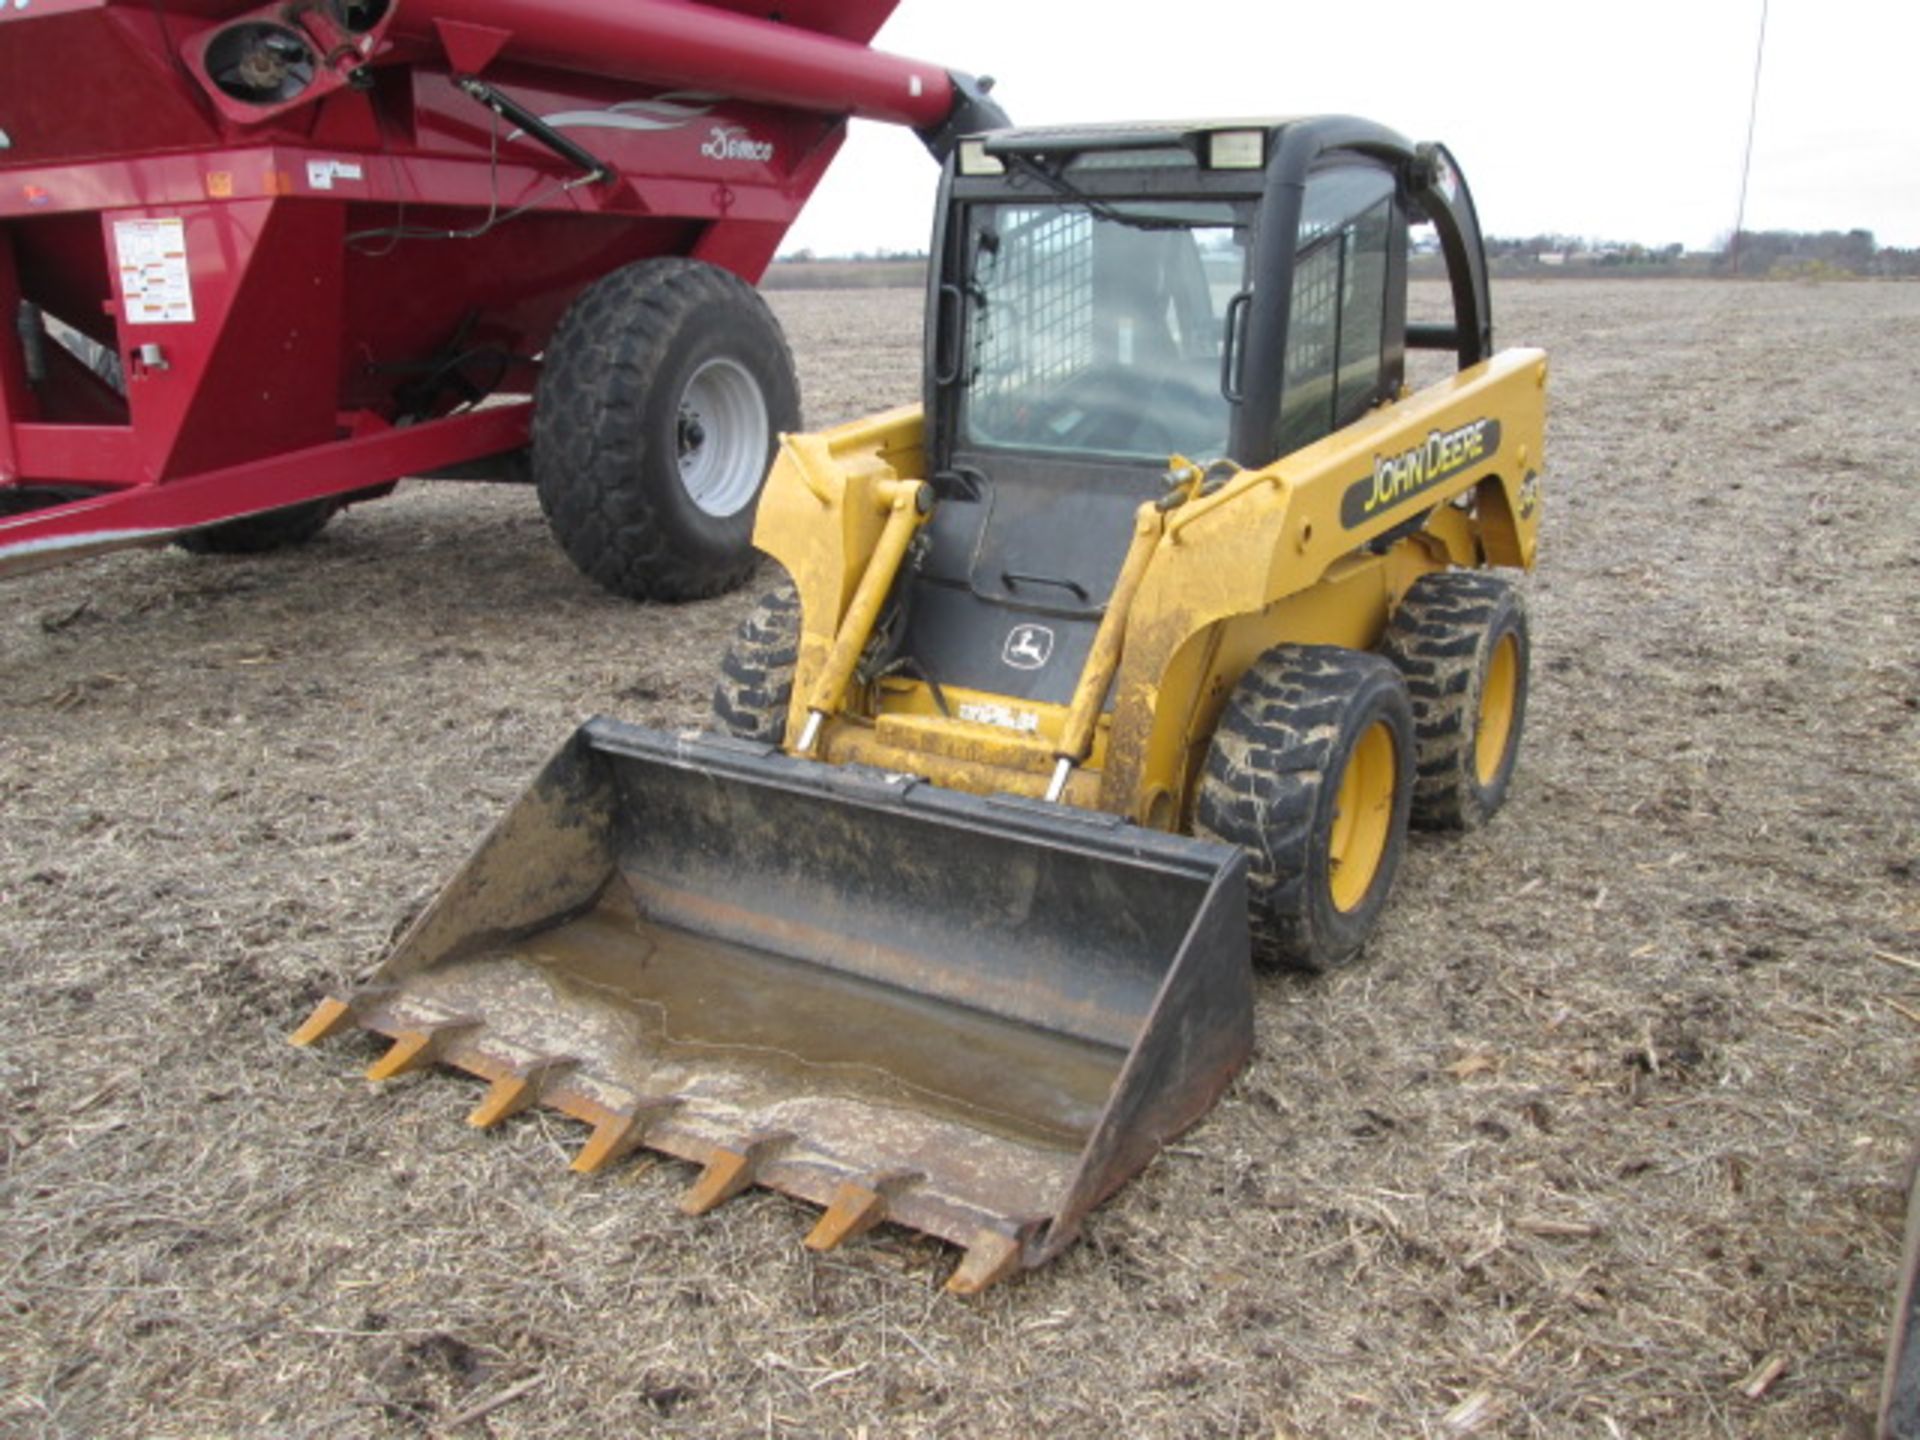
x=1129, y=653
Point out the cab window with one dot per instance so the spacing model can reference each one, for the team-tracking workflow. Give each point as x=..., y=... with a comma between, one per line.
x=1100, y=332
x=1336, y=329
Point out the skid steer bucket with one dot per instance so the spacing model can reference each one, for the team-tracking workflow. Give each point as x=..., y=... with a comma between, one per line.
x=973, y=1017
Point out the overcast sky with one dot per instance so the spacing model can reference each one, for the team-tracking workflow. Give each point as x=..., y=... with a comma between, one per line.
x=1611, y=119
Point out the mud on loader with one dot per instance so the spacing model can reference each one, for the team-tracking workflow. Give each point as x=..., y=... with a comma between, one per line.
x=1135, y=647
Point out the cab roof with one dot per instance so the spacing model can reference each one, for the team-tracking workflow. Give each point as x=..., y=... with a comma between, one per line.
x=1188, y=135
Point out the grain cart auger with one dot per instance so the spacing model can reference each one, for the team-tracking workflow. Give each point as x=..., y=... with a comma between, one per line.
x=260, y=261
x=1143, y=638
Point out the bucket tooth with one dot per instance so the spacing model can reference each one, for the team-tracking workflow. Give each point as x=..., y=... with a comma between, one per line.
x=329, y=1018
x=621, y=1132
x=729, y=1172
x=518, y=1088
x=854, y=1210
x=857, y=1206
x=991, y=1257
x=414, y=1049
x=332, y=1015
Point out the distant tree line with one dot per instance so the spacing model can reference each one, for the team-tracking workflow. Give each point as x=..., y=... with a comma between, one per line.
x=1575, y=249
x=1760, y=253
x=888, y=257
x=886, y=270
x=1788, y=254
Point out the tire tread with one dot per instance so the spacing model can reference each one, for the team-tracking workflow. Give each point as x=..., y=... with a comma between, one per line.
x=755, y=687
x=1440, y=638
x=1273, y=747
x=589, y=426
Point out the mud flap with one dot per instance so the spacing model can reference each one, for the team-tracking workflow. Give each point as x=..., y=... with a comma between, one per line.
x=973, y=1017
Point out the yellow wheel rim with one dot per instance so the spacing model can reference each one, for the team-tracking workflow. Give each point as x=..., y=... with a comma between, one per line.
x=1362, y=816
x=1497, y=697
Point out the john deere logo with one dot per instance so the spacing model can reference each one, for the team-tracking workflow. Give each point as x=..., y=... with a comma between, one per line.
x=1028, y=647
x=1441, y=456
x=1529, y=495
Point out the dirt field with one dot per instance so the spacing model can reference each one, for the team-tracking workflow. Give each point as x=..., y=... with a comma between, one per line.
x=1608, y=1125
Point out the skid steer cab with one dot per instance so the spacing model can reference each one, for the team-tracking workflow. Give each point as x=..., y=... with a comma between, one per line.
x=1133, y=650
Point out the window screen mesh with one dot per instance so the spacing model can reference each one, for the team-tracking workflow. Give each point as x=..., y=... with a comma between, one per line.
x=1039, y=331
x=1337, y=326
x=1312, y=333
x=1363, y=312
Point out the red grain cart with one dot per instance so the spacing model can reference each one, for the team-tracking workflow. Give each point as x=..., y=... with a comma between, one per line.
x=257, y=263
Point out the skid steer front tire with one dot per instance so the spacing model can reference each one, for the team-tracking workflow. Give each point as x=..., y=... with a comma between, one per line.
x=663, y=395
x=1310, y=772
x=1460, y=638
x=755, y=688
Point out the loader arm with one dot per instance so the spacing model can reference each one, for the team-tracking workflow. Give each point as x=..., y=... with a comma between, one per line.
x=822, y=516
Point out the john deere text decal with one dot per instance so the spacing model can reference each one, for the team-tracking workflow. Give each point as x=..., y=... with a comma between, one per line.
x=1443, y=454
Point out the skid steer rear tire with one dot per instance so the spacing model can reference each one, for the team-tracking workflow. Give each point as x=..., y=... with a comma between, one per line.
x=662, y=398
x=755, y=688
x=1460, y=639
x=257, y=534
x=1310, y=772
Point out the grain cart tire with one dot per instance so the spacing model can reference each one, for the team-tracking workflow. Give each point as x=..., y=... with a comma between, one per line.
x=755, y=688
x=1460, y=639
x=662, y=398
x=1310, y=773
x=256, y=534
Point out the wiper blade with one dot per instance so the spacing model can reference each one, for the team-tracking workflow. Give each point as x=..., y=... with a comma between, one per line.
x=1105, y=210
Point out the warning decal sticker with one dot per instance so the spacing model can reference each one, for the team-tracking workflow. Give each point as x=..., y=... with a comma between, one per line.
x=154, y=283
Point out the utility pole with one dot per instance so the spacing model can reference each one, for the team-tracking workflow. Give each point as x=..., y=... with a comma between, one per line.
x=1746, y=164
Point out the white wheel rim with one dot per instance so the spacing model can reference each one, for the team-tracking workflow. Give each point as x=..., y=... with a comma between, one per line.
x=721, y=433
